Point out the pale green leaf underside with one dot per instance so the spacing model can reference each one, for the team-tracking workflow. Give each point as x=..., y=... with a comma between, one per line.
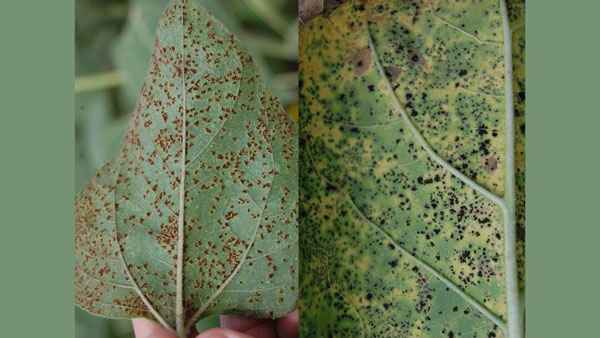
x=404, y=169
x=176, y=233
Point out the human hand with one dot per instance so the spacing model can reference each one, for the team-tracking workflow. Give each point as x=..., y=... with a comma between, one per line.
x=231, y=327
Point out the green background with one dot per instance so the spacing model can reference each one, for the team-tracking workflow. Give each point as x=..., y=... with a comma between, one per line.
x=562, y=168
x=37, y=168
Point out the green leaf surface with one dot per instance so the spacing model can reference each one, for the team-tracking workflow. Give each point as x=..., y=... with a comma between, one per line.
x=412, y=169
x=196, y=215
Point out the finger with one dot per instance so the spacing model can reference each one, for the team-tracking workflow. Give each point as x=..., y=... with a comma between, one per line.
x=287, y=326
x=145, y=328
x=223, y=333
x=260, y=328
x=241, y=324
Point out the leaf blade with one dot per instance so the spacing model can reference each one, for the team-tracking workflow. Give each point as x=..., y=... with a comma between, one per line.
x=443, y=205
x=206, y=147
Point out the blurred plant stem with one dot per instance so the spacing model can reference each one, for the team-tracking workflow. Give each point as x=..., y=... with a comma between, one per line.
x=271, y=47
x=286, y=80
x=98, y=81
x=275, y=20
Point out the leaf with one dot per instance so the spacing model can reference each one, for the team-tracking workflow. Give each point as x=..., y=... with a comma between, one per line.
x=177, y=233
x=407, y=201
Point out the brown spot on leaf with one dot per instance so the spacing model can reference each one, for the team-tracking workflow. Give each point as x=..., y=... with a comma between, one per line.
x=393, y=73
x=361, y=60
x=491, y=164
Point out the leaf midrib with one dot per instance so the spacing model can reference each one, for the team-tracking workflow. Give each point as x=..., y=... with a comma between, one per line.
x=181, y=326
x=179, y=313
x=514, y=304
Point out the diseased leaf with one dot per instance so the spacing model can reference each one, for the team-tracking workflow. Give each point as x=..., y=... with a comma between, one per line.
x=407, y=198
x=196, y=215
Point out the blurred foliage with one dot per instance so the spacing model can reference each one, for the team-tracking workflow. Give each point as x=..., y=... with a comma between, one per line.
x=113, y=45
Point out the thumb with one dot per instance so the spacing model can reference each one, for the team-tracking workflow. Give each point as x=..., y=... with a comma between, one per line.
x=145, y=328
x=222, y=333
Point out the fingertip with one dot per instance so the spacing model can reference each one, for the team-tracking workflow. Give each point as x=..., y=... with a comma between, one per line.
x=144, y=328
x=287, y=326
x=292, y=318
x=222, y=333
x=239, y=323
